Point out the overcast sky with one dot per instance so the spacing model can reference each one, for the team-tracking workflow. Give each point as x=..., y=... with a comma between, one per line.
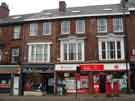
x=32, y=6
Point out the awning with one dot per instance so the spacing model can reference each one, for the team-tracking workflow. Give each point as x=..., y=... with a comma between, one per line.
x=8, y=69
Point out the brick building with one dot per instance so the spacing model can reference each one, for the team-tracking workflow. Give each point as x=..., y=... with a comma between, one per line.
x=52, y=44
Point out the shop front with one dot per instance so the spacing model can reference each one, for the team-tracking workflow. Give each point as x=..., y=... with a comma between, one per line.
x=101, y=74
x=68, y=81
x=9, y=79
x=38, y=79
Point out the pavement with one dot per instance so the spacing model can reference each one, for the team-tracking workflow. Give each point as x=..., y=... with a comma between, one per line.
x=128, y=97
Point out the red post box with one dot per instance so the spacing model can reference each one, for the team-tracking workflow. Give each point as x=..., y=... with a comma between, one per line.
x=116, y=88
x=108, y=89
x=96, y=89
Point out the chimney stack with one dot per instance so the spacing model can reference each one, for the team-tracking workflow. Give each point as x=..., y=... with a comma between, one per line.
x=62, y=6
x=4, y=10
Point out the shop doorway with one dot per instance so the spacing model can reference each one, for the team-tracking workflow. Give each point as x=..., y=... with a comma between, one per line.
x=102, y=81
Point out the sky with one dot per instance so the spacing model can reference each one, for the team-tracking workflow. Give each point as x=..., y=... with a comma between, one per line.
x=32, y=6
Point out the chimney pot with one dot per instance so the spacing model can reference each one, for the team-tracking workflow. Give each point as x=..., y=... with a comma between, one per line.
x=4, y=10
x=62, y=6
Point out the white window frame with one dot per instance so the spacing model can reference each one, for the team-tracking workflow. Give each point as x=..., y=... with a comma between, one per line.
x=33, y=29
x=117, y=18
x=121, y=40
x=30, y=50
x=69, y=42
x=63, y=25
x=47, y=25
x=15, y=55
x=83, y=26
x=17, y=32
x=99, y=25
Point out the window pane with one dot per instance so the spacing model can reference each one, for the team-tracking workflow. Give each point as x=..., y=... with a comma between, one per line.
x=16, y=33
x=80, y=25
x=112, y=50
x=72, y=51
x=102, y=25
x=33, y=29
x=103, y=50
x=65, y=51
x=45, y=52
x=47, y=28
x=117, y=24
x=65, y=27
x=14, y=55
x=79, y=51
x=118, y=50
x=39, y=54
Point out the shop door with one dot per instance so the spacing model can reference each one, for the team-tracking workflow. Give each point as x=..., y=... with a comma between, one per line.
x=102, y=81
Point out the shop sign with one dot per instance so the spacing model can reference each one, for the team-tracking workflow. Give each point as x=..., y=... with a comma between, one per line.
x=116, y=66
x=92, y=67
x=66, y=67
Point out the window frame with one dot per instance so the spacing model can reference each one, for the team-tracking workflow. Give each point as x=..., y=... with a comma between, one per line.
x=31, y=28
x=13, y=56
x=49, y=26
x=99, y=25
x=17, y=33
x=76, y=42
x=83, y=26
x=121, y=40
x=43, y=53
x=68, y=27
x=117, y=18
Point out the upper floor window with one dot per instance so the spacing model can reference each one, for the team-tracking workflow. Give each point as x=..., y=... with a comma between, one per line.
x=65, y=27
x=39, y=52
x=17, y=31
x=72, y=51
x=102, y=25
x=33, y=29
x=80, y=26
x=117, y=24
x=111, y=49
x=47, y=28
x=15, y=55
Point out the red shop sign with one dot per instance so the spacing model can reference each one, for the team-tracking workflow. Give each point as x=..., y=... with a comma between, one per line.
x=92, y=67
